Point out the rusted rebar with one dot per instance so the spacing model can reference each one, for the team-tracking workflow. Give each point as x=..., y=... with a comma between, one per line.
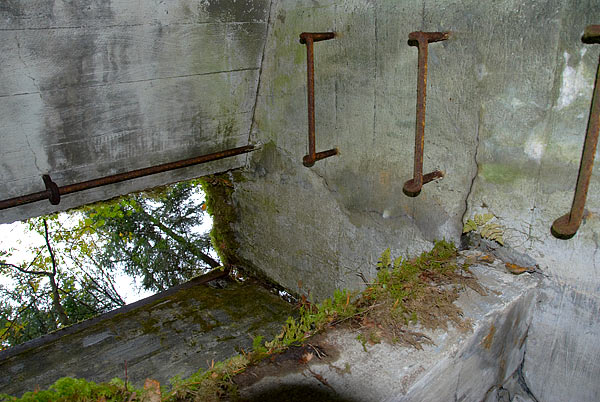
x=412, y=187
x=308, y=38
x=53, y=192
x=567, y=225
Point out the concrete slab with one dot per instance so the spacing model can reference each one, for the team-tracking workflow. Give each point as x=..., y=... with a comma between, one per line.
x=174, y=333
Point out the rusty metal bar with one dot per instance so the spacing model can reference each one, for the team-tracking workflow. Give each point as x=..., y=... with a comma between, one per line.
x=412, y=187
x=308, y=38
x=567, y=225
x=53, y=192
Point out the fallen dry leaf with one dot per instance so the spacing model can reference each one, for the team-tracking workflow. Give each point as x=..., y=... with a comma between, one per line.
x=487, y=258
x=517, y=269
x=152, y=388
x=306, y=357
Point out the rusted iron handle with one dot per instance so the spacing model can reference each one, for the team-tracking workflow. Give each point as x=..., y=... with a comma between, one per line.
x=316, y=36
x=53, y=192
x=567, y=225
x=308, y=38
x=412, y=187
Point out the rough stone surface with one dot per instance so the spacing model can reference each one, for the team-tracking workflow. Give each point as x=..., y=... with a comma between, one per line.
x=159, y=339
x=507, y=108
x=94, y=88
x=459, y=366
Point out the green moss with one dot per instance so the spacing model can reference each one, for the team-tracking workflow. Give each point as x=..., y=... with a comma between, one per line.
x=300, y=55
x=150, y=325
x=218, y=190
x=422, y=289
x=80, y=390
x=500, y=173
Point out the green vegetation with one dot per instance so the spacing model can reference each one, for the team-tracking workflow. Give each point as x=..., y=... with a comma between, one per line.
x=313, y=319
x=208, y=385
x=418, y=291
x=78, y=390
x=59, y=285
x=480, y=224
x=151, y=235
x=218, y=190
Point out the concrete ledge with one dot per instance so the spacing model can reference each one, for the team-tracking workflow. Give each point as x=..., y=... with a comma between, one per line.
x=459, y=366
x=176, y=332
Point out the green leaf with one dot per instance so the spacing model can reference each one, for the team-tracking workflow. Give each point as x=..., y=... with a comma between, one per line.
x=469, y=226
x=386, y=259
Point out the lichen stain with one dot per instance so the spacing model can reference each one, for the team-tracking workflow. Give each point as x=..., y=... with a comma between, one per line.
x=489, y=339
x=500, y=173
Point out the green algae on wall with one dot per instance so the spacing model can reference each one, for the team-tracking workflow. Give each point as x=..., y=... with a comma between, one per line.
x=500, y=173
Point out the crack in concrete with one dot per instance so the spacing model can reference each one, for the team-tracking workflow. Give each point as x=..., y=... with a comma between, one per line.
x=456, y=389
x=519, y=372
x=375, y=79
x=119, y=26
x=477, y=143
x=27, y=73
x=521, y=377
x=259, y=83
x=80, y=87
x=596, y=246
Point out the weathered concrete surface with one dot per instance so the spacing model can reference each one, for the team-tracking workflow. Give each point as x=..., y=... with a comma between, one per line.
x=507, y=108
x=93, y=88
x=160, y=338
x=499, y=96
x=460, y=366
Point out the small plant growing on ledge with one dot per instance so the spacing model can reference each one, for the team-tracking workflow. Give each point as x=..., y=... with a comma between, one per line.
x=480, y=224
x=420, y=290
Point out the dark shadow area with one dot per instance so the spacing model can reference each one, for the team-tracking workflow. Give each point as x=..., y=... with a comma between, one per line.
x=299, y=393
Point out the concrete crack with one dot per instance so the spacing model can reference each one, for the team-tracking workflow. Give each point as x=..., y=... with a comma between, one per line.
x=26, y=67
x=477, y=143
x=259, y=83
x=30, y=76
x=521, y=377
x=375, y=81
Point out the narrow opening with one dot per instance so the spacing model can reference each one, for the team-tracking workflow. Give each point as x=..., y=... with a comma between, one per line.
x=64, y=268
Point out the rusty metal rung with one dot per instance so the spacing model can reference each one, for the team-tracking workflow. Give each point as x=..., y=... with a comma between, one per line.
x=53, y=192
x=567, y=225
x=412, y=187
x=308, y=38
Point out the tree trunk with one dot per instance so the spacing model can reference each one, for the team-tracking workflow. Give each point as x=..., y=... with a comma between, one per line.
x=181, y=240
x=62, y=315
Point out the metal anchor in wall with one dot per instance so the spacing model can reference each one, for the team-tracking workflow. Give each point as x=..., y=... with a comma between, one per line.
x=412, y=187
x=567, y=225
x=308, y=38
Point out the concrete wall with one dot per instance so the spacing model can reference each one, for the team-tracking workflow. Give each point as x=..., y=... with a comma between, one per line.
x=507, y=108
x=91, y=88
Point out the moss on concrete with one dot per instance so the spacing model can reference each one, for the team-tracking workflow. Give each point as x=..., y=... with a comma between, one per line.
x=218, y=190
